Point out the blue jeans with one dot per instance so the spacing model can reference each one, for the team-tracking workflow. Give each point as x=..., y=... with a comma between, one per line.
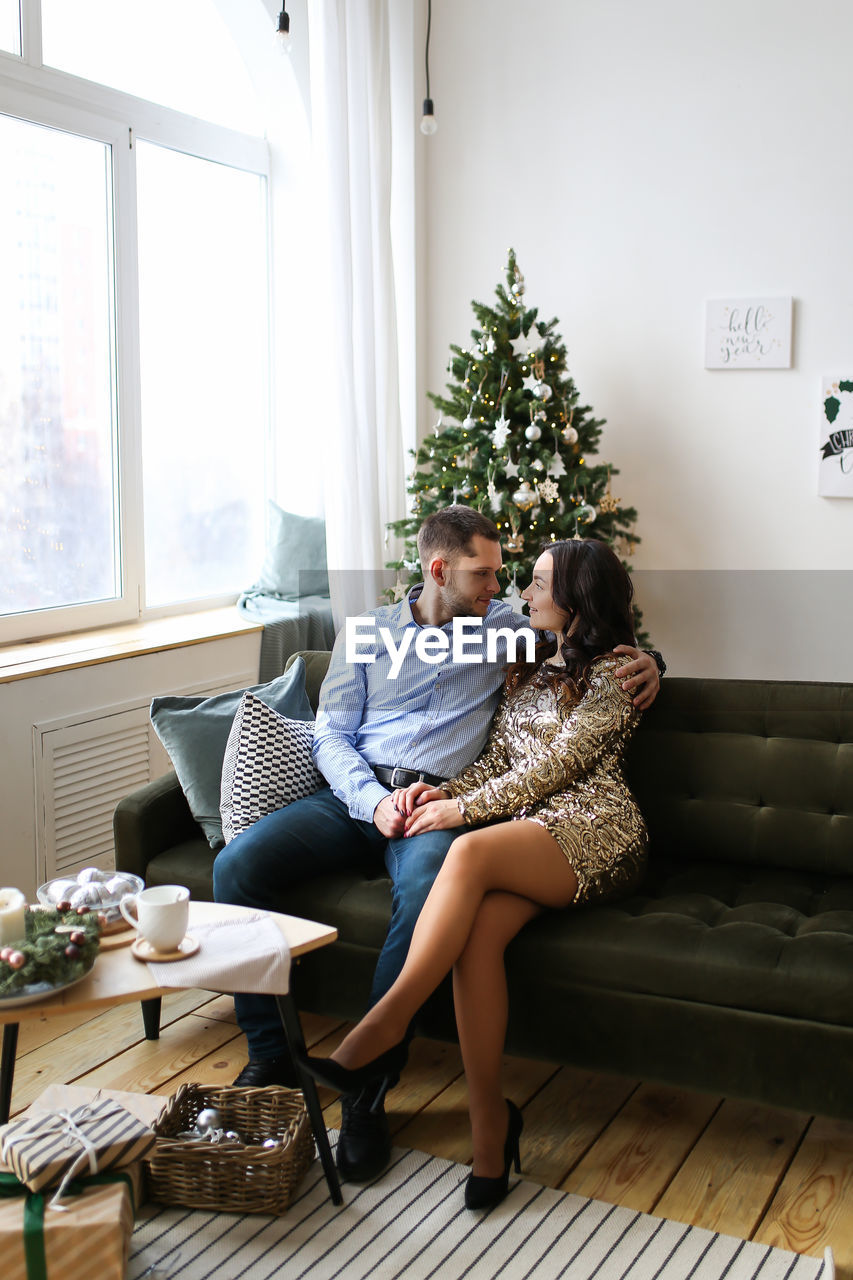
x=307, y=839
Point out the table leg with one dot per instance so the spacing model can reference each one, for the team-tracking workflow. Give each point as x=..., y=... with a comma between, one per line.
x=151, y=1017
x=7, y=1069
x=296, y=1042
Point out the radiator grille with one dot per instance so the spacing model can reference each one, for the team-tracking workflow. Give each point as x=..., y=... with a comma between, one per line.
x=86, y=768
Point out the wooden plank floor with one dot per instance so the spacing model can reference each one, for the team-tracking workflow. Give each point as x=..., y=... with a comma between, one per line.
x=763, y=1174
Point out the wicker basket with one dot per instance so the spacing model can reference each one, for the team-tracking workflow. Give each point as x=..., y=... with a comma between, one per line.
x=232, y=1178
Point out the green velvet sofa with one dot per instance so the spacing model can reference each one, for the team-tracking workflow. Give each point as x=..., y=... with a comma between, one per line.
x=730, y=971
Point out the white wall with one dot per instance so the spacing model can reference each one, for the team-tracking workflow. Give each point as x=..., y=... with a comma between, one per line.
x=642, y=156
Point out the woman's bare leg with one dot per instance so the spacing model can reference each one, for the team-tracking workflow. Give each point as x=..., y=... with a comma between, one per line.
x=480, y=1000
x=519, y=858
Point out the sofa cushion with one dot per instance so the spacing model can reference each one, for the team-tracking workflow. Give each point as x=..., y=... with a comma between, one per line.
x=769, y=941
x=295, y=560
x=749, y=771
x=194, y=731
x=267, y=765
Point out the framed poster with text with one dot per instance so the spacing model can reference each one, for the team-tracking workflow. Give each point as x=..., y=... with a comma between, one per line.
x=748, y=333
x=835, y=475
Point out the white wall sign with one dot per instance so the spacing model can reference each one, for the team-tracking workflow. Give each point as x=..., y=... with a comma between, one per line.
x=748, y=333
x=835, y=477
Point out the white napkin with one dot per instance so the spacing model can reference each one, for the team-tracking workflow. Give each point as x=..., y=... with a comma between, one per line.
x=248, y=954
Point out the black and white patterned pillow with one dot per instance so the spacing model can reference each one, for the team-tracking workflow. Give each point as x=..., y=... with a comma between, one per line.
x=267, y=765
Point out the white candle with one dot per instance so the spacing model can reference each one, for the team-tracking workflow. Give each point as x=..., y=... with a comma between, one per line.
x=13, y=916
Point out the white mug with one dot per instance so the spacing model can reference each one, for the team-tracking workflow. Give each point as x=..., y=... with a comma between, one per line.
x=161, y=914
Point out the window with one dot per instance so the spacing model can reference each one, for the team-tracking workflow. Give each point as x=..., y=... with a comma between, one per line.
x=134, y=316
x=10, y=26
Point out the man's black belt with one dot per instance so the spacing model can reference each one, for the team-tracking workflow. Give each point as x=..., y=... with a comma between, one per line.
x=396, y=777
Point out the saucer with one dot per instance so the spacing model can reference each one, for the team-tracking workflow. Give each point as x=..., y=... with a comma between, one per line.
x=143, y=950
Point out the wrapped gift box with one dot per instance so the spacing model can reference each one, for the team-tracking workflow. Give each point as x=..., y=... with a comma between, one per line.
x=45, y=1148
x=89, y=1235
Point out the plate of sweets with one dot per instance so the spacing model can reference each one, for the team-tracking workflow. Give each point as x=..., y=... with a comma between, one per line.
x=99, y=891
x=57, y=949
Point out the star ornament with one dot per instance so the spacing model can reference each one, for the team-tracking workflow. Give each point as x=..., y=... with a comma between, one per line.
x=530, y=382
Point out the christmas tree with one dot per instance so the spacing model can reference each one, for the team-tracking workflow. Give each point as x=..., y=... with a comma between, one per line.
x=519, y=445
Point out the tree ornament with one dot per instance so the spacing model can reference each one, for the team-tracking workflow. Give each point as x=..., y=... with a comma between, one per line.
x=556, y=468
x=517, y=289
x=494, y=495
x=466, y=490
x=511, y=469
x=500, y=431
x=549, y=491
x=533, y=432
x=525, y=497
x=585, y=513
x=469, y=423
x=513, y=596
x=542, y=391
x=514, y=542
x=537, y=464
x=569, y=434
x=529, y=382
x=608, y=504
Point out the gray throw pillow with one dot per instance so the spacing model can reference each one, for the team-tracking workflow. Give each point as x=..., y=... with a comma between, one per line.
x=195, y=732
x=267, y=765
x=295, y=560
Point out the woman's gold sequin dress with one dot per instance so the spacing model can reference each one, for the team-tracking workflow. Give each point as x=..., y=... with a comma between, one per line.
x=558, y=762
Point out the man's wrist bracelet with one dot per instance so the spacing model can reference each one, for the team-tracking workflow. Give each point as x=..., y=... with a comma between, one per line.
x=659, y=662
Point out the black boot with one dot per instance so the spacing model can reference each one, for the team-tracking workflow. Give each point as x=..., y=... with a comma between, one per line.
x=260, y=1072
x=364, y=1144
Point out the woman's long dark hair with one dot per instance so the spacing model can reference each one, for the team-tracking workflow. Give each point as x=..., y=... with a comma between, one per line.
x=591, y=585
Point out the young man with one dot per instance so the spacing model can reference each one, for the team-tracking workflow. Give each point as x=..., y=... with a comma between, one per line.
x=409, y=707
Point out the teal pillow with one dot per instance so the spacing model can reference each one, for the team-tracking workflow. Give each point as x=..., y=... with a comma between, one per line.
x=195, y=732
x=295, y=560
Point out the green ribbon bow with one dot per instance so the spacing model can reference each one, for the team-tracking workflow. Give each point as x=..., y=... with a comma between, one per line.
x=34, y=1252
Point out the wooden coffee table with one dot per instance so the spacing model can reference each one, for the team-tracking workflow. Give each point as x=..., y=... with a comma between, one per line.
x=117, y=977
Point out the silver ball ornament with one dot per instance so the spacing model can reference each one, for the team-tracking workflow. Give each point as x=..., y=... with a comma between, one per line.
x=525, y=497
x=542, y=391
x=470, y=424
x=570, y=435
x=208, y=1118
x=533, y=432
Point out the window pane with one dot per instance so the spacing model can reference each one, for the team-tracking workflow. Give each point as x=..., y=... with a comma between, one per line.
x=176, y=52
x=57, y=543
x=204, y=359
x=10, y=26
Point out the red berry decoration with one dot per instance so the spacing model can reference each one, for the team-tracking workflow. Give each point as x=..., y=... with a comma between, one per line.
x=78, y=937
x=63, y=906
x=82, y=911
x=17, y=959
x=72, y=951
x=5, y=952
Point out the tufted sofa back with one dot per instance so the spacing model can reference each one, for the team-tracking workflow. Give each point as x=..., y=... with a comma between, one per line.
x=738, y=770
x=748, y=771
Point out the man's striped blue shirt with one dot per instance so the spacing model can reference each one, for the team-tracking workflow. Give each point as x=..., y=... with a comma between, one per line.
x=432, y=717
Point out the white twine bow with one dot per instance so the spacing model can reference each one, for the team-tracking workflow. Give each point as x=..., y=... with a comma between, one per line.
x=72, y=1133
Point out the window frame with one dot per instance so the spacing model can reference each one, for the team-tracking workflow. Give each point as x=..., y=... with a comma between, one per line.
x=30, y=91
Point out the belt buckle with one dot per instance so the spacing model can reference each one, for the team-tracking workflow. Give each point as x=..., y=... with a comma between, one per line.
x=398, y=769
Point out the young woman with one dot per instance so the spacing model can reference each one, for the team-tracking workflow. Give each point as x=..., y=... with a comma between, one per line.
x=554, y=826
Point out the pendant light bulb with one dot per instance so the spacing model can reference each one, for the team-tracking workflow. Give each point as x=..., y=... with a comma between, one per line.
x=282, y=35
x=429, y=123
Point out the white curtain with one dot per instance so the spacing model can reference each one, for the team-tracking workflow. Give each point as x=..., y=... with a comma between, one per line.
x=359, y=414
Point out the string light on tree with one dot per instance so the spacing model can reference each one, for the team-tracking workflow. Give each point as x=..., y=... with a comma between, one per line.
x=514, y=439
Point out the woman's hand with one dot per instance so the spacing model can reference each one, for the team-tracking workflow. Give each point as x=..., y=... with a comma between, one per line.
x=407, y=799
x=434, y=815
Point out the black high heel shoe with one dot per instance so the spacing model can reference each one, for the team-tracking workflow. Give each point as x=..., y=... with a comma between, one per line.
x=483, y=1193
x=382, y=1071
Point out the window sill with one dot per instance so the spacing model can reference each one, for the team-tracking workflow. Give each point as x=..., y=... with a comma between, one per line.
x=111, y=644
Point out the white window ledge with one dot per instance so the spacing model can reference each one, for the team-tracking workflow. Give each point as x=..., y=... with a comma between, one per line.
x=110, y=644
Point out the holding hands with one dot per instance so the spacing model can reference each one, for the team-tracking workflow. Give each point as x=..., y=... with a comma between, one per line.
x=426, y=808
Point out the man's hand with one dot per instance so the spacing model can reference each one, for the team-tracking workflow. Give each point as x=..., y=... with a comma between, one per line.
x=389, y=821
x=434, y=815
x=407, y=799
x=641, y=673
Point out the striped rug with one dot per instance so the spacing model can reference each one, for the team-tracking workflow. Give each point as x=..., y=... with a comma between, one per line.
x=411, y=1224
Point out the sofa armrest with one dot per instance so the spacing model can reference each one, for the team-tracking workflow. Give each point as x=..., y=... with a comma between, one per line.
x=151, y=820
